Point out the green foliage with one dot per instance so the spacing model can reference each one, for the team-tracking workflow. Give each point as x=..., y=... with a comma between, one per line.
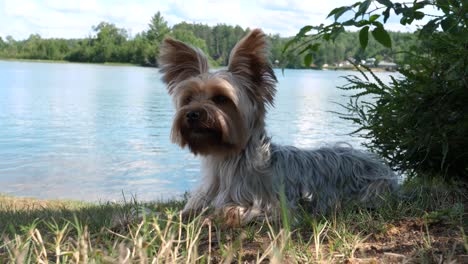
x=420, y=123
x=382, y=36
x=344, y=47
x=190, y=38
x=363, y=37
x=454, y=15
x=110, y=43
x=158, y=28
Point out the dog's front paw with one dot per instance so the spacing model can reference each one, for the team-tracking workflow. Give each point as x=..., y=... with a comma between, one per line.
x=233, y=216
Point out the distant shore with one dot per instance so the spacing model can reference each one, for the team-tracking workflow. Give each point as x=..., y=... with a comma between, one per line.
x=374, y=69
x=65, y=62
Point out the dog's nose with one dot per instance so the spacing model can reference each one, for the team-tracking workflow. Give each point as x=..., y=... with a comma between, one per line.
x=193, y=115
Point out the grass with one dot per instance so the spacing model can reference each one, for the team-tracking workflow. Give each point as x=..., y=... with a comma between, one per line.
x=428, y=225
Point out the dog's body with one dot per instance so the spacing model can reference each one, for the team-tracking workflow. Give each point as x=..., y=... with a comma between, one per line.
x=220, y=115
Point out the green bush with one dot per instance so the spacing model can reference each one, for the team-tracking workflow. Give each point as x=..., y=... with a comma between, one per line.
x=419, y=123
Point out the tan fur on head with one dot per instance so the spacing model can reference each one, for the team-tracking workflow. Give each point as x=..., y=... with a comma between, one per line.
x=248, y=61
x=247, y=86
x=214, y=99
x=178, y=62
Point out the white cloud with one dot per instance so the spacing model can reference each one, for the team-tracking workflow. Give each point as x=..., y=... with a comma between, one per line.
x=74, y=19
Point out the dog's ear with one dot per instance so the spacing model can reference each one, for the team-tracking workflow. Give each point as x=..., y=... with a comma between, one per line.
x=179, y=61
x=249, y=61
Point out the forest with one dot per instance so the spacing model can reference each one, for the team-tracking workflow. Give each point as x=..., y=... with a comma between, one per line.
x=111, y=44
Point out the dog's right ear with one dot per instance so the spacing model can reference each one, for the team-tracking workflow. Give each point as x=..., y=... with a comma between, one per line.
x=179, y=61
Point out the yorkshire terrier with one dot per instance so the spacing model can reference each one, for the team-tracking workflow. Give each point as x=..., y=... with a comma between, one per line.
x=221, y=117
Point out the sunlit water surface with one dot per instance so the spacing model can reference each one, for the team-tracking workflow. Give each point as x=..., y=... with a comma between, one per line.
x=94, y=132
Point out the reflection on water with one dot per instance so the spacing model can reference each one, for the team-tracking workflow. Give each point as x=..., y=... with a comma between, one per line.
x=92, y=132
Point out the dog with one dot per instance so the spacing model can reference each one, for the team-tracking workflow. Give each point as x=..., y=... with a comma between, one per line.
x=220, y=116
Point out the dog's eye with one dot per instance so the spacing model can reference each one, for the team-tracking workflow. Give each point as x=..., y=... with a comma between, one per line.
x=219, y=99
x=187, y=100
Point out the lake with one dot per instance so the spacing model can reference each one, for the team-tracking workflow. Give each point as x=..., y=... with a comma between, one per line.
x=96, y=132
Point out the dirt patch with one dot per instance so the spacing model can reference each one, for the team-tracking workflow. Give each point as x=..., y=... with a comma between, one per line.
x=413, y=240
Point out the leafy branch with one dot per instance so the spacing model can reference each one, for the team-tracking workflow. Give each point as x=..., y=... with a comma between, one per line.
x=372, y=21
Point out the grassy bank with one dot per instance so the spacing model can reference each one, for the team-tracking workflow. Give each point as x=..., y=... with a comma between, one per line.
x=428, y=225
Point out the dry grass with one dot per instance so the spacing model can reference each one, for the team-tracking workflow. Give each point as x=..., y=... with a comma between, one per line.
x=426, y=227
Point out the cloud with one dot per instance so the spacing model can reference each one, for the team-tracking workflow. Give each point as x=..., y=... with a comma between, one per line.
x=74, y=19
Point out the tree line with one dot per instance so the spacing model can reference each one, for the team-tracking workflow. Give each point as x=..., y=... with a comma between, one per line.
x=112, y=44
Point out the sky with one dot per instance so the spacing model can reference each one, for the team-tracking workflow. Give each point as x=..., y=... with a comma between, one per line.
x=74, y=19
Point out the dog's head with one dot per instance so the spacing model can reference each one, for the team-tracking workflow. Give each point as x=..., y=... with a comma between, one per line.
x=217, y=112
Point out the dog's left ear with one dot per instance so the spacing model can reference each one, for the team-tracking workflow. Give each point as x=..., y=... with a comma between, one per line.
x=179, y=61
x=249, y=62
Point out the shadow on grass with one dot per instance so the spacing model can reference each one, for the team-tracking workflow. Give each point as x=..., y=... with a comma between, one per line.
x=426, y=222
x=17, y=213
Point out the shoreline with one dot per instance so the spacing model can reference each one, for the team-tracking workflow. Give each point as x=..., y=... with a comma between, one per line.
x=71, y=62
x=374, y=69
x=19, y=202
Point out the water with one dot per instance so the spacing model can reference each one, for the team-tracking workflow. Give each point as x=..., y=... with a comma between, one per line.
x=93, y=132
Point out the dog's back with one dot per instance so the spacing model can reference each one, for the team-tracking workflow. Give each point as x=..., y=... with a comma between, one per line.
x=328, y=176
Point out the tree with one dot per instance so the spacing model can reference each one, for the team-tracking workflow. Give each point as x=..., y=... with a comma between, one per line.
x=112, y=44
x=109, y=42
x=158, y=28
x=190, y=38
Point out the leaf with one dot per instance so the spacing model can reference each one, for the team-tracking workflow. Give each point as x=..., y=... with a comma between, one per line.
x=308, y=60
x=304, y=30
x=386, y=14
x=337, y=12
x=356, y=4
x=386, y=3
x=350, y=22
x=362, y=9
x=310, y=47
x=419, y=5
x=398, y=8
x=448, y=23
x=362, y=23
x=364, y=37
x=382, y=36
x=286, y=46
x=373, y=17
x=341, y=12
x=429, y=28
x=334, y=11
x=315, y=47
x=336, y=31
x=364, y=6
x=418, y=15
x=444, y=5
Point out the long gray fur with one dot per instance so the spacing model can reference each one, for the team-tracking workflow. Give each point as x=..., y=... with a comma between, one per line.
x=321, y=179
